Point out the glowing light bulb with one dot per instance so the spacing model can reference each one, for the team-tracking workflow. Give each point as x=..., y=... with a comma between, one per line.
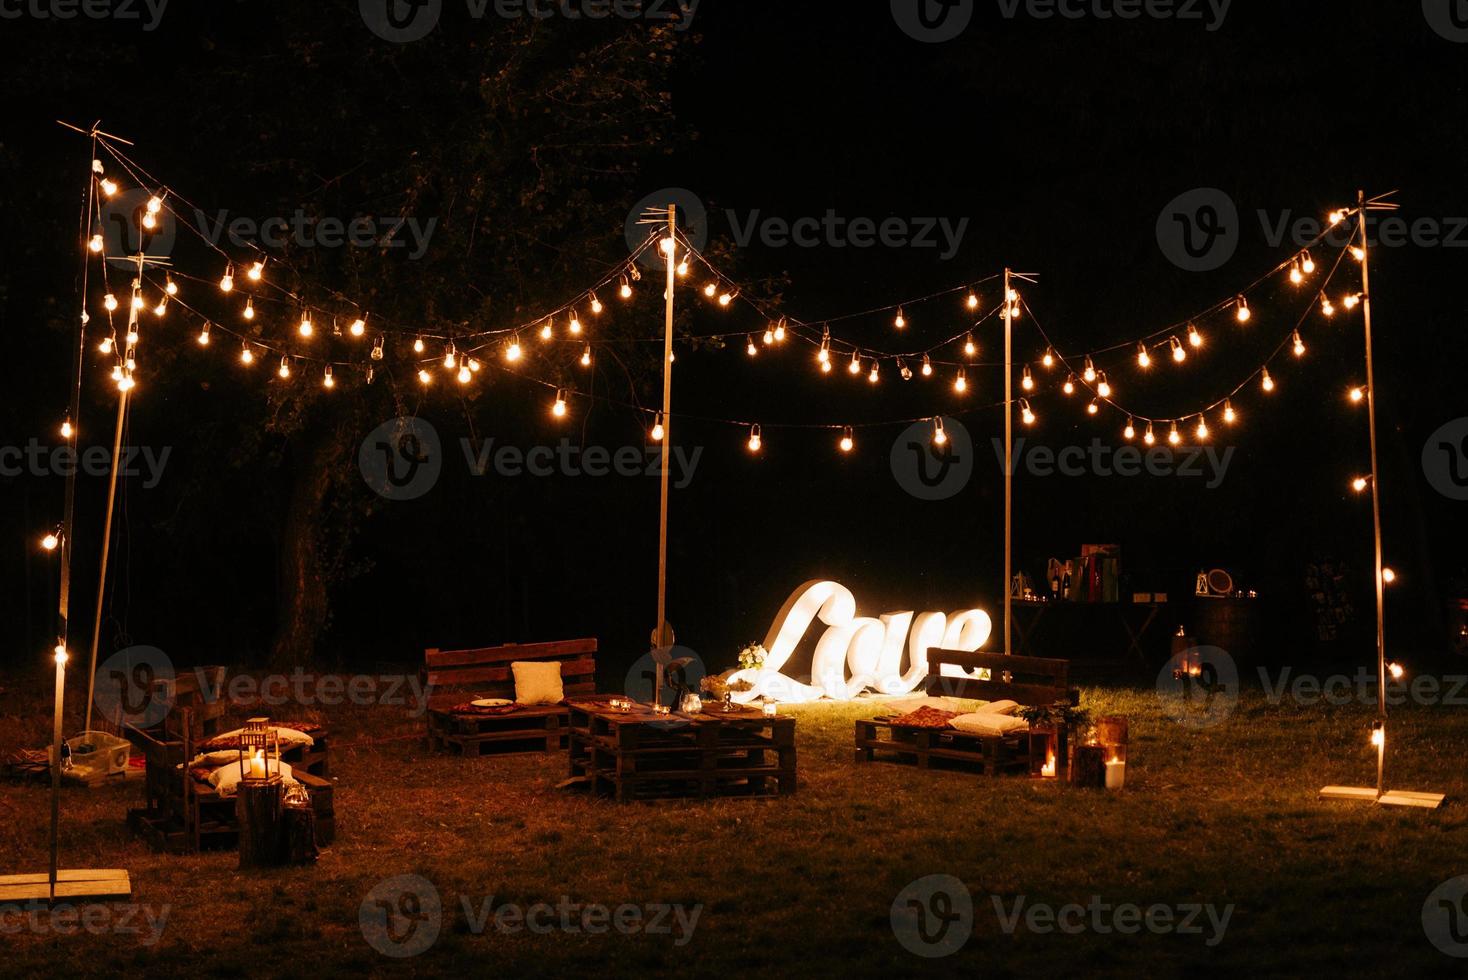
x=899, y=321
x=1130, y=432
x=825, y=367
x=755, y=442
x=927, y=367
x=204, y=335
x=960, y=383
x=969, y=347
x=780, y=332
x=358, y=327
x=1202, y=430
x=726, y=298
x=1378, y=735
x=626, y=289
x=1307, y=264
x=96, y=243
x=51, y=541
x=137, y=301
x=1093, y=408
x=1357, y=394
x=1244, y=314
x=1358, y=253
x=559, y=408
x=512, y=352
x=132, y=336
x=1326, y=307
x=328, y=380
x=1179, y=353
x=903, y=370
x=1388, y=576
x=110, y=302
x=1351, y=301
x=1174, y=436
x=1296, y=275
x=226, y=282
x=1026, y=416
x=1090, y=372
x=874, y=376
x=749, y=348
x=769, y=337
x=1266, y=381
x=657, y=428
x=1144, y=359
x=424, y=378
x=108, y=187
x=1149, y=438
x=285, y=368
x=1396, y=671
x=668, y=245
x=59, y=652
x=855, y=366
x=106, y=345
x=417, y=345
x=1049, y=359
x=1103, y=387
x=466, y=373
x=161, y=308
x=150, y=221
x=1027, y=382
x=67, y=430
x=1360, y=483
x=307, y=328
x=1299, y=345
x=711, y=290
x=574, y=326
x=973, y=301
x=683, y=267
x=847, y=442
x=596, y=306
x=474, y=365
x=450, y=358
x=1070, y=385
x=256, y=271
x=1194, y=337
x=586, y=356
x=1228, y=412
x=247, y=356
x=155, y=204
x=1336, y=217
x=249, y=309
x=939, y=436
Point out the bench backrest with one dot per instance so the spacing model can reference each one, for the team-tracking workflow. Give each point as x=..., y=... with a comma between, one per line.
x=1028, y=680
x=486, y=671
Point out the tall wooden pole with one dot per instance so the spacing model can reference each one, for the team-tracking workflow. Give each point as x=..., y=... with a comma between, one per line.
x=122, y=400
x=1008, y=463
x=670, y=253
x=1375, y=496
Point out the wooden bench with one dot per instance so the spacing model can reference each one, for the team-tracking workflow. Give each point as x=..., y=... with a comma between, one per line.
x=454, y=677
x=1027, y=680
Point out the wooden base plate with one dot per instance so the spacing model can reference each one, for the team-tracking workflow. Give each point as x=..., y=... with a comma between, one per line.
x=1362, y=794
x=71, y=886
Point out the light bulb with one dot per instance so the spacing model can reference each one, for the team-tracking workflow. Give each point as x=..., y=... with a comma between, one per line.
x=973, y=301
x=285, y=368
x=1179, y=353
x=1296, y=276
x=110, y=302
x=60, y=654
x=108, y=187
x=960, y=383
x=1026, y=416
x=855, y=366
x=512, y=352
x=306, y=328
x=417, y=345
x=596, y=306
x=754, y=439
x=683, y=267
x=161, y=308
x=547, y=330
x=450, y=358
x=711, y=290
x=1202, y=430
x=726, y=298
x=1351, y=301
x=874, y=377
x=1070, y=384
x=465, y=373
x=132, y=336
x=626, y=289
x=150, y=221
x=780, y=331
x=586, y=356
x=1149, y=438
x=249, y=310
x=575, y=326
x=1388, y=576
x=559, y=408
x=749, y=348
x=1244, y=314
x=247, y=356
x=1357, y=394
x=1103, y=387
x=1228, y=412
x=824, y=354
x=1267, y=382
x=899, y=322
x=1027, y=382
x=256, y=271
x=424, y=378
x=969, y=347
x=96, y=243
x=474, y=365
x=1049, y=359
x=1174, y=436
x=657, y=428
x=155, y=204
x=328, y=380
x=1336, y=217
x=769, y=337
x=204, y=335
x=1144, y=359
x=825, y=367
x=1090, y=372
x=1358, y=253
x=847, y=442
x=1378, y=735
x=939, y=436
x=904, y=370
x=1307, y=264
x=1194, y=337
x=137, y=301
x=67, y=430
x=50, y=541
x=1130, y=432
x=106, y=345
x=1299, y=345
x=226, y=283
x=1093, y=408
x=1360, y=483
x=927, y=367
x=1326, y=307
x=358, y=327
x=1396, y=670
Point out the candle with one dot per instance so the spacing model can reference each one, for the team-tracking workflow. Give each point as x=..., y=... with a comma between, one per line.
x=257, y=765
x=1115, y=774
x=1048, y=769
x=770, y=708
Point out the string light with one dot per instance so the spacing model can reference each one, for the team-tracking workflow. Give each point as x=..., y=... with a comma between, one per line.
x=474, y=365
x=1202, y=430
x=969, y=347
x=899, y=322
x=1049, y=359
x=466, y=374
x=204, y=334
x=1144, y=359
x=106, y=345
x=755, y=442
x=1396, y=670
x=67, y=430
x=1194, y=337
x=256, y=271
x=155, y=204
x=137, y=301
x=1267, y=382
x=150, y=221
x=1174, y=437
x=973, y=301
x=51, y=541
x=586, y=356
x=418, y=345
x=960, y=383
x=1388, y=576
x=1299, y=345
x=126, y=383
x=109, y=188
x=750, y=349
x=1149, y=438
x=855, y=366
x=1378, y=734
x=1090, y=371
x=1360, y=483
x=1103, y=387
x=657, y=428
x=96, y=243
x=1026, y=416
x=1179, y=353
x=285, y=368
x=1028, y=381
x=874, y=376
x=711, y=290
x=1326, y=307
x=625, y=291
x=162, y=307
x=1358, y=253
x=1130, y=432
x=904, y=370
x=1336, y=217
x=1228, y=412
x=847, y=442
x=1093, y=408
x=512, y=352
x=1352, y=301
x=596, y=306
x=110, y=302
x=575, y=325
x=726, y=298
x=1357, y=394
x=780, y=331
x=769, y=337
x=358, y=327
x=450, y=358
x=328, y=380
x=939, y=436
x=247, y=356
x=132, y=335
x=547, y=330
x=307, y=328
x=226, y=283
x=559, y=408
x=927, y=367
x=249, y=309
x=683, y=267
x=1244, y=314
x=1070, y=385
x=379, y=348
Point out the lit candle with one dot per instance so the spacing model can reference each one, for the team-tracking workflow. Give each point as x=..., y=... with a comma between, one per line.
x=1115, y=774
x=257, y=765
x=1048, y=769
x=770, y=708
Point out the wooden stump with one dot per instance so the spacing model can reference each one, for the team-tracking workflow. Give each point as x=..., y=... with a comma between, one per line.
x=262, y=838
x=300, y=835
x=1089, y=768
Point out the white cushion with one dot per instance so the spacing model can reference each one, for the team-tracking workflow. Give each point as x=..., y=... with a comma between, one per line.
x=1001, y=707
x=289, y=738
x=916, y=701
x=226, y=779
x=538, y=682
x=986, y=723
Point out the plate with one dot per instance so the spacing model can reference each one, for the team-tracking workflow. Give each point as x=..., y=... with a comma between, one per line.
x=491, y=703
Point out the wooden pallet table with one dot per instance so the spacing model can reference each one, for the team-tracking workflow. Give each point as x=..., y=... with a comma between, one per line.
x=636, y=755
x=924, y=746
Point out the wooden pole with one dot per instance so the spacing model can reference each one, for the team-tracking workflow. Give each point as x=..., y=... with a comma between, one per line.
x=122, y=401
x=1375, y=494
x=1008, y=463
x=670, y=259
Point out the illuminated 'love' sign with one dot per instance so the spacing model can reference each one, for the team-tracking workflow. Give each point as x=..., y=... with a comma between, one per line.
x=856, y=653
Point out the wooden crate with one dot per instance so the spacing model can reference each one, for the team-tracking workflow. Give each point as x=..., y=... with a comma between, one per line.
x=639, y=755
x=453, y=677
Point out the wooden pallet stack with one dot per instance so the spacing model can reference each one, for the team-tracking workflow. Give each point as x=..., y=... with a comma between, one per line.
x=640, y=755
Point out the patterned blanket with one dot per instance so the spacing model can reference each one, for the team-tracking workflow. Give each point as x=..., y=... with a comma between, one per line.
x=925, y=717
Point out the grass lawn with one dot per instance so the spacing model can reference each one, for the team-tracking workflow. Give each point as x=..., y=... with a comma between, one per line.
x=1224, y=816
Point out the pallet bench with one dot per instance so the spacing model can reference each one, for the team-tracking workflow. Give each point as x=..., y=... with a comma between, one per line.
x=454, y=677
x=1027, y=680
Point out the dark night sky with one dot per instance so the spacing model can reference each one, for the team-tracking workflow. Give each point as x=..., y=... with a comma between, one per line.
x=1060, y=143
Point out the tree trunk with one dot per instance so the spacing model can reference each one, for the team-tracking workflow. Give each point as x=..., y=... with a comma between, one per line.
x=301, y=568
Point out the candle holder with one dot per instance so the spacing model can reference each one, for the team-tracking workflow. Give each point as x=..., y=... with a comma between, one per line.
x=259, y=744
x=1045, y=752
